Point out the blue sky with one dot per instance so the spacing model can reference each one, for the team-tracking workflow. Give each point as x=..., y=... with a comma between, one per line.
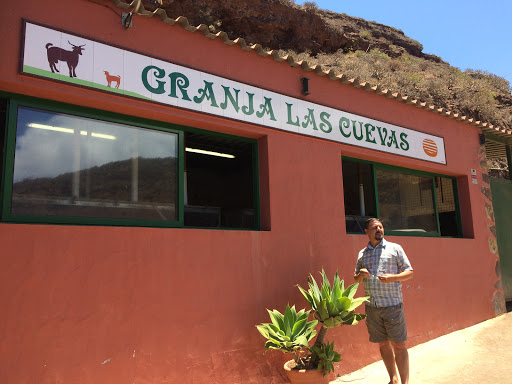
x=467, y=34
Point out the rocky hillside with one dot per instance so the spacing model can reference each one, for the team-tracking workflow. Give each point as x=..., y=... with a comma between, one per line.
x=369, y=51
x=281, y=24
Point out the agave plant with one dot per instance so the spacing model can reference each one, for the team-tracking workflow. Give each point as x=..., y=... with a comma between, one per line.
x=326, y=356
x=332, y=306
x=289, y=332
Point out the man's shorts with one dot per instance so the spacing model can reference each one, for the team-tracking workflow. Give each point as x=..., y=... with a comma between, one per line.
x=387, y=323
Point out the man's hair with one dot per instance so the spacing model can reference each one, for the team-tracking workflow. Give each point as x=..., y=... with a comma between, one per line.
x=369, y=221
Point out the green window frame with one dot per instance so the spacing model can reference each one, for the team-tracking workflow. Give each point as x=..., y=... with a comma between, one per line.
x=174, y=188
x=408, y=202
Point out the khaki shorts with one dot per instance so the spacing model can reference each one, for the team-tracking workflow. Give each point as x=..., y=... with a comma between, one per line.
x=387, y=323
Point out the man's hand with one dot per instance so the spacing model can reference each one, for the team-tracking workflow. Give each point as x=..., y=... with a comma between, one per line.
x=386, y=278
x=402, y=276
x=363, y=274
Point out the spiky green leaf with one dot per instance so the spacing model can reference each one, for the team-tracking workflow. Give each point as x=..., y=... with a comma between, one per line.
x=351, y=291
x=322, y=312
x=357, y=302
x=353, y=318
x=309, y=298
x=325, y=293
x=298, y=327
x=289, y=320
x=338, y=282
x=343, y=304
x=313, y=289
x=277, y=318
x=336, y=291
x=331, y=307
x=325, y=281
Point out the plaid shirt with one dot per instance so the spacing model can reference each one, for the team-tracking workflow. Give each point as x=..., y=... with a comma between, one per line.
x=385, y=258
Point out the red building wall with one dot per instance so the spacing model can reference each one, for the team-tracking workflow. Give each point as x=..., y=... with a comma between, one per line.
x=97, y=304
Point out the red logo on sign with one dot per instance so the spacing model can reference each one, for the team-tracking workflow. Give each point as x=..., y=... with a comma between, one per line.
x=430, y=147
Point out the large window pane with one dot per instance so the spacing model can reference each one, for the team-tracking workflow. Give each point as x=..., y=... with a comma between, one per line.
x=358, y=194
x=406, y=202
x=446, y=206
x=79, y=167
x=220, y=184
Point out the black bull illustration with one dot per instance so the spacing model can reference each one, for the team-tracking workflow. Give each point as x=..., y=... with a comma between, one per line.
x=70, y=57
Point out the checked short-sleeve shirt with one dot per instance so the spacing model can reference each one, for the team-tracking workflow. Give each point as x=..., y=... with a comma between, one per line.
x=386, y=257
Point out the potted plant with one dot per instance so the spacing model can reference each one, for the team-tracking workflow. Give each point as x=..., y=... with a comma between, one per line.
x=291, y=332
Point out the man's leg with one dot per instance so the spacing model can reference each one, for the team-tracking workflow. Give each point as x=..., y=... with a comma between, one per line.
x=402, y=360
x=388, y=357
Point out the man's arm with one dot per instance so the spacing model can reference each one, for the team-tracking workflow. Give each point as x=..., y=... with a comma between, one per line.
x=402, y=276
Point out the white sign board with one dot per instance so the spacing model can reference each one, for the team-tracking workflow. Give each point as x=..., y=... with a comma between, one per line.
x=62, y=56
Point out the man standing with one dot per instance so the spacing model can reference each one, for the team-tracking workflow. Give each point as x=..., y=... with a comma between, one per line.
x=382, y=266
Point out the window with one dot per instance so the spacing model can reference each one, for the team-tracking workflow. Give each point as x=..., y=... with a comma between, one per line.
x=73, y=166
x=66, y=165
x=359, y=195
x=406, y=201
x=219, y=182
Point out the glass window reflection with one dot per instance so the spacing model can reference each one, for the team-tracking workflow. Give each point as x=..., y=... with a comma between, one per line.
x=75, y=166
x=406, y=201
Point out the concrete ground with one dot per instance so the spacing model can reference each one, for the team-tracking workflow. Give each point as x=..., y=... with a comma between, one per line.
x=481, y=354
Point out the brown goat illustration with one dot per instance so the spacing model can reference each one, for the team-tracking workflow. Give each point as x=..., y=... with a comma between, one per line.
x=112, y=78
x=70, y=57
